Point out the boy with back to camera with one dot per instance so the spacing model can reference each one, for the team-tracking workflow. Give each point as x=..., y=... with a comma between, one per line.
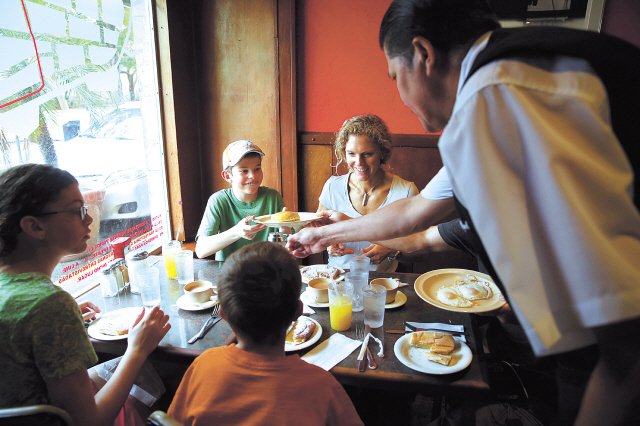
x=253, y=382
x=224, y=228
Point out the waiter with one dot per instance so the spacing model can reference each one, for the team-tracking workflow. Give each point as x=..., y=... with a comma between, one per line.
x=535, y=124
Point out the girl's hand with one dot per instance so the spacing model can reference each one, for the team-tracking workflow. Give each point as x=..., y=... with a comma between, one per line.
x=148, y=330
x=89, y=310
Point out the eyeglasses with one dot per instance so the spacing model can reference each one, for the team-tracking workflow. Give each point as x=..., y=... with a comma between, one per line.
x=80, y=211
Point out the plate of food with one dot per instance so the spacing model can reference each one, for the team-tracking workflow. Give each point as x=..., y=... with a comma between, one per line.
x=321, y=271
x=433, y=352
x=287, y=219
x=114, y=325
x=302, y=333
x=459, y=290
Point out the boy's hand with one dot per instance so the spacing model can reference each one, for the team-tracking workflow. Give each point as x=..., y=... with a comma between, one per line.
x=246, y=231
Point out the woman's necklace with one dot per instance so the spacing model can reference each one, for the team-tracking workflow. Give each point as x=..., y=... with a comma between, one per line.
x=365, y=198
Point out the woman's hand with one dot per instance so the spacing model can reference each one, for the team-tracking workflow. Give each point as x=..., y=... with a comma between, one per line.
x=338, y=250
x=89, y=310
x=148, y=330
x=377, y=253
x=327, y=217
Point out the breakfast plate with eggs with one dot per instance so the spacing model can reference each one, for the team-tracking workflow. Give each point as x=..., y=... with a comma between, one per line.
x=420, y=357
x=459, y=290
x=287, y=219
x=304, y=332
x=114, y=325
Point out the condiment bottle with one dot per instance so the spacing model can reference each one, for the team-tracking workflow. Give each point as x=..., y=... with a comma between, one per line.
x=115, y=272
x=122, y=265
x=108, y=283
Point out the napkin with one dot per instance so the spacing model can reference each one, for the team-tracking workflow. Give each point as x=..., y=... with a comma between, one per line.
x=438, y=326
x=329, y=353
x=399, y=283
x=306, y=310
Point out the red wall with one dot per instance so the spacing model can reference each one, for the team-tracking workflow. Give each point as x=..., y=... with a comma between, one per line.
x=342, y=72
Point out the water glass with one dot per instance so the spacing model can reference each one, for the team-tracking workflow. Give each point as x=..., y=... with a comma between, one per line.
x=358, y=280
x=340, y=303
x=168, y=249
x=374, y=300
x=149, y=283
x=184, y=265
x=361, y=264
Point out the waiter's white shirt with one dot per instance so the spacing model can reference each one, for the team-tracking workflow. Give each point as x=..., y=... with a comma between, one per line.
x=531, y=154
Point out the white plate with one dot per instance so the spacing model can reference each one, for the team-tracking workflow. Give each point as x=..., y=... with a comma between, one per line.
x=321, y=267
x=128, y=312
x=400, y=300
x=427, y=285
x=187, y=305
x=305, y=218
x=316, y=336
x=416, y=358
x=310, y=302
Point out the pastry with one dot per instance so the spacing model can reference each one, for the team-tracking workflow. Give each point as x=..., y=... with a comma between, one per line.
x=320, y=271
x=300, y=331
x=113, y=326
x=440, y=359
x=285, y=217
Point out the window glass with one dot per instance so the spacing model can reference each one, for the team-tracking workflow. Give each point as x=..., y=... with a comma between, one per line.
x=79, y=90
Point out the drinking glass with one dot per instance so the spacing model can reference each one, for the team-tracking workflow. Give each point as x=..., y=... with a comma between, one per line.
x=358, y=280
x=168, y=249
x=184, y=265
x=374, y=297
x=149, y=283
x=340, y=303
x=360, y=264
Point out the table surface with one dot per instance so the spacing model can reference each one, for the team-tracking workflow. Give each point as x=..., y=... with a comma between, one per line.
x=391, y=374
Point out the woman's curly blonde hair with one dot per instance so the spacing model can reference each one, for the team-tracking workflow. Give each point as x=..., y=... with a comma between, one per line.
x=365, y=125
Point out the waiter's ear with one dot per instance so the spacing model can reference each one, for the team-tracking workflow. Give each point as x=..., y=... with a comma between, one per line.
x=424, y=54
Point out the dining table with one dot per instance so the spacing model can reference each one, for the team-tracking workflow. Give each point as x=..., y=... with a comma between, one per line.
x=390, y=375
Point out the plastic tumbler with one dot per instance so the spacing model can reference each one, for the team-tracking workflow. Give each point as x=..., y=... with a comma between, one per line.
x=374, y=297
x=168, y=249
x=361, y=264
x=358, y=280
x=149, y=283
x=184, y=265
x=340, y=303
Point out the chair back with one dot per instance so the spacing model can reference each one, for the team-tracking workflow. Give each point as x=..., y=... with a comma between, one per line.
x=35, y=415
x=160, y=418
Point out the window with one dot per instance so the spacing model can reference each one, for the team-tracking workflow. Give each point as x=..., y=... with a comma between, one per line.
x=79, y=90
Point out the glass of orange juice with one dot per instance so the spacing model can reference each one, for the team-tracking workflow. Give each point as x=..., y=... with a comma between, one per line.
x=168, y=249
x=340, y=304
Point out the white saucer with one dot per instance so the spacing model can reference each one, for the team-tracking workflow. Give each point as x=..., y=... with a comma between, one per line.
x=401, y=299
x=310, y=302
x=187, y=305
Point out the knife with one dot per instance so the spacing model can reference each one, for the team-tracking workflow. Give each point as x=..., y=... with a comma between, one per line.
x=207, y=326
x=454, y=333
x=372, y=363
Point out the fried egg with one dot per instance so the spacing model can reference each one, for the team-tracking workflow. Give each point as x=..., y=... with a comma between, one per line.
x=449, y=295
x=475, y=290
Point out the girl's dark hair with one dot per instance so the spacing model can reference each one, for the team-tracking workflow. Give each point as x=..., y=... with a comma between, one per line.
x=25, y=190
x=258, y=288
x=448, y=24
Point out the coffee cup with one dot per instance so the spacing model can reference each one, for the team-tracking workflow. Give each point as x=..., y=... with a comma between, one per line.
x=318, y=289
x=199, y=291
x=392, y=288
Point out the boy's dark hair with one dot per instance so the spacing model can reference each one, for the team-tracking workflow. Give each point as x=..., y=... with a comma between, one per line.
x=259, y=288
x=25, y=190
x=448, y=24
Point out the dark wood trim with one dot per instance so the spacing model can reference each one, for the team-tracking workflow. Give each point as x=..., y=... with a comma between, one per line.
x=399, y=141
x=286, y=92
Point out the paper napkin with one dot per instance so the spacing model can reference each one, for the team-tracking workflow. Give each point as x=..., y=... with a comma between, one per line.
x=306, y=310
x=438, y=326
x=329, y=353
x=399, y=283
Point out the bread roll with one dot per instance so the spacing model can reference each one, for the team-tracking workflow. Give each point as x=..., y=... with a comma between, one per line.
x=285, y=217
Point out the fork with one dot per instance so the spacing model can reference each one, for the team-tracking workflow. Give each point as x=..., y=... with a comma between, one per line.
x=360, y=335
x=247, y=217
x=211, y=321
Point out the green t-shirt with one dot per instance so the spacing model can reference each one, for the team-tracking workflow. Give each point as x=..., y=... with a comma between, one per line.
x=224, y=211
x=42, y=338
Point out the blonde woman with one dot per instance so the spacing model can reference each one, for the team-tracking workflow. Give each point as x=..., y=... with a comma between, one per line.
x=364, y=144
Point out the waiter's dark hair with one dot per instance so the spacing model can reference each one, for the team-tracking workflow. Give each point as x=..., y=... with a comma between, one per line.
x=448, y=24
x=25, y=190
x=259, y=288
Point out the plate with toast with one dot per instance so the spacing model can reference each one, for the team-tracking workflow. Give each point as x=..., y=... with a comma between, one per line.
x=114, y=325
x=287, y=218
x=304, y=332
x=433, y=352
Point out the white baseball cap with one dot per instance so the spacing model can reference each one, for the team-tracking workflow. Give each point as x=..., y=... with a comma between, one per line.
x=236, y=150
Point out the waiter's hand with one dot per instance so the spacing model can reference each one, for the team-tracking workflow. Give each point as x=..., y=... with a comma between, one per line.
x=307, y=241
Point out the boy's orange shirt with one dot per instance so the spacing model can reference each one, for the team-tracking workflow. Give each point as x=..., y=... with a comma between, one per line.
x=229, y=386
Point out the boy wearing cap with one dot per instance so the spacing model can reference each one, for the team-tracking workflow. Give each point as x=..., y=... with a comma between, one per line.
x=253, y=382
x=224, y=228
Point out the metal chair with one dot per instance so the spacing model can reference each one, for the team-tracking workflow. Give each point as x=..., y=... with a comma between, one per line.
x=160, y=418
x=35, y=415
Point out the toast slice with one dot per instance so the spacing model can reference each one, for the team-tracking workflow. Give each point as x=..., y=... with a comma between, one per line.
x=440, y=359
